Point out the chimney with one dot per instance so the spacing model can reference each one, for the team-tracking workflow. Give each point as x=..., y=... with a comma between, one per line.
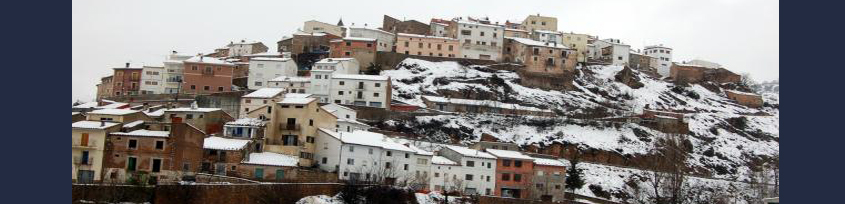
x=194, y=105
x=201, y=58
x=174, y=52
x=102, y=123
x=127, y=65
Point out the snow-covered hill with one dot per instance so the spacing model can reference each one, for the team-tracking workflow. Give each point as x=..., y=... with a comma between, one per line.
x=727, y=138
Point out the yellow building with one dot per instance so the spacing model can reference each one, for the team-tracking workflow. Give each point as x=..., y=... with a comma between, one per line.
x=421, y=45
x=292, y=126
x=118, y=115
x=87, y=144
x=538, y=22
x=578, y=42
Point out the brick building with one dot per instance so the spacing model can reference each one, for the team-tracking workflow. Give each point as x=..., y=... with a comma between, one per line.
x=393, y=25
x=539, y=57
x=549, y=178
x=126, y=81
x=422, y=45
x=689, y=73
x=154, y=154
x=205, y=75
x=745, y=99
x=514, y=172
x=307, y=48
x=362, y=49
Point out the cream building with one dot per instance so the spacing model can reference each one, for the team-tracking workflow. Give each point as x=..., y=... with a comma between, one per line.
x=152, y=80
x=421, y=45
x=88, y=139
x=314, y=26
x=578, y=42
x=292, y=126
x=538, y=22
x=478, y=40
x=292, y=84
x=263, y=69
x=259, y=98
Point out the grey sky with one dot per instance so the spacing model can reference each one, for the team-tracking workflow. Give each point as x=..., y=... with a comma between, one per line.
x=742, y=35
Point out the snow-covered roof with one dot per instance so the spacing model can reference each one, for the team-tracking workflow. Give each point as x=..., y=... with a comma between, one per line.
x=509, y=154
x=487, y=103
x=290, y=79
x=74, y=113
x=742, y=93
x=202, y=110
x=271, y=159
x=366, y=138
x=334, y=106
x=246, y=42
x=208, y=60
x=250, y=122
x=114, y=111
x=357, y=39
x=91, y=104
x=467, y=152
x=112, y=105
x=296, y=101
x=334, y=60
x=93, y=125
x=518, y=30
x=546, y=31
x=264, y=54
x=297, y=95
x=265, y=93
x=531, y=42
x=419, y=151
x=157, y=113
x=548, y=162
x=144, y=133
x=133, y=124
x=277, y=59
x=439, y=160
x=219, y=143
x=478, y=24
x=312, y=34
x=361, y=77
x=425, y=36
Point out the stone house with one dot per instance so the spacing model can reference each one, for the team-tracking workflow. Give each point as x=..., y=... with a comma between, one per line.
x=549, y=178
x=307, y=48
x=482, y=145
x=540, y=57
x=245, y=47
x=223, y=155
x=76, y=117
x=259, y=98
x=126, y=81
x=208, y=120
x=314, y=26
x=421, y=45
x=157, y=155
x=362, y=49
x=538, y=22
x=269, y=167
x=393, y=25
x=104, y=88
x=689, y=73
x=746, y=99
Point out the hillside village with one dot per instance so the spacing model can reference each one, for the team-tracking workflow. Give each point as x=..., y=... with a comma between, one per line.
x=490, y=112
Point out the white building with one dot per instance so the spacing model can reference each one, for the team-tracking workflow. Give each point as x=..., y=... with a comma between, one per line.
x=443, y=177
x=385, y=39
x=245, y=128
x=612, y=51
x=347, y=118
x=439, y=29
x=245, y=47
x=152, y=80
x=663, y=55
x=478, y=40
x=547, y=36
x=292, y=84
x=364, y=156
x=262, y=69
x=360, y=90
x=321, y=74
x=173, y=74
x=478, y=172
x=260, y=98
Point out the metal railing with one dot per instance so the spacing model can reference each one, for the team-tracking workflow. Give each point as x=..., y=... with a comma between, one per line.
x=83, y=161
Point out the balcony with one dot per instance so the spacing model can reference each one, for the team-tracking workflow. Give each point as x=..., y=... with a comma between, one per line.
x=92, y=144
x=80, y=161
x=208, y=72
x=290, y=127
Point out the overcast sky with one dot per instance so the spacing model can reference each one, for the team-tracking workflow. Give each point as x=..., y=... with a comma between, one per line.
x=742, y=35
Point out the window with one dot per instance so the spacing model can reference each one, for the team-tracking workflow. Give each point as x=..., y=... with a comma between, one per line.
x=439, y=46
x=194, y=68
x=259, y=173
x=350, y=161
x=517, y=163
x=325, y=160
x=405, y=167
x=160, y=145
x=369, y=45
x=420, y=45
x=466, y=32
x=189, y=116
x=371, y=151
x=340, y=93
x=506, y=162
x=406, y=45
x=131, y=163
x=557, y=187
x=375, y=94
x=347, y=53
x=193, y=87
x=310, y=122
x=436, y=175
x=407, y=156
x=422, y=161
x=219, y=88
x=309, y=139
x=517, y=177
x=389, y=153
x=351, y=148
x=470, y=163
x=342, y=83
x=387, y=165
x=451, y=47
x=133, y=144
x=506, y=177
x=289, y=140
x=206, y=88
x=469, y=177
x=348, y=43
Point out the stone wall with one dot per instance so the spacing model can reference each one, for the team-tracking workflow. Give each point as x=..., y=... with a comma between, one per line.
x=207, y=194
x=389, y=60
x=547, y=81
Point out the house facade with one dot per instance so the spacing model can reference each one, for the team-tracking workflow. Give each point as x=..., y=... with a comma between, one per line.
x=245, y=47
x=365, y=156
x=393, y=25
x=360, y=90
x=292, y=84
x=517, y=33
x=514, y=173
x=88, y=142
x=126, y=81
x=478, y=172
x=444, y=175
x=663, y=55
x=173, y=76
x=347, y=118
x=305, y=47
x=384, y=40
x=421, y=45
x=314, y=26
x=362, y=49
x=478, y=40
x=104, y=88
x=157, y=156
x=549, y=179
x=259, y=98
x=751, y=100
x=262, y=69
x=321, y=74
x=547, y=36
x=222, y=155
x=540, y=57
x=205, y=75
x=152, y=80
x=538, y=22
x=578, y=42
x=612, y=51
x=208, y=120
x=439, y=27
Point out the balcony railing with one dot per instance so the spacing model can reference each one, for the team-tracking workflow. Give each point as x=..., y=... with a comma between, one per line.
x=81, y=161
x=91, y=144
x=289, y=126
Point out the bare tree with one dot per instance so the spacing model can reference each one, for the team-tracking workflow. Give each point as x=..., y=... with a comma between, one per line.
x=667, y=170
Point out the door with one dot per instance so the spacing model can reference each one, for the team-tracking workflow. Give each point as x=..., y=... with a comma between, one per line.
x=156, y=165
x=84, y=159
x=131, y=163
x=84, y=140
x=85, y=176
x=220, y=169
